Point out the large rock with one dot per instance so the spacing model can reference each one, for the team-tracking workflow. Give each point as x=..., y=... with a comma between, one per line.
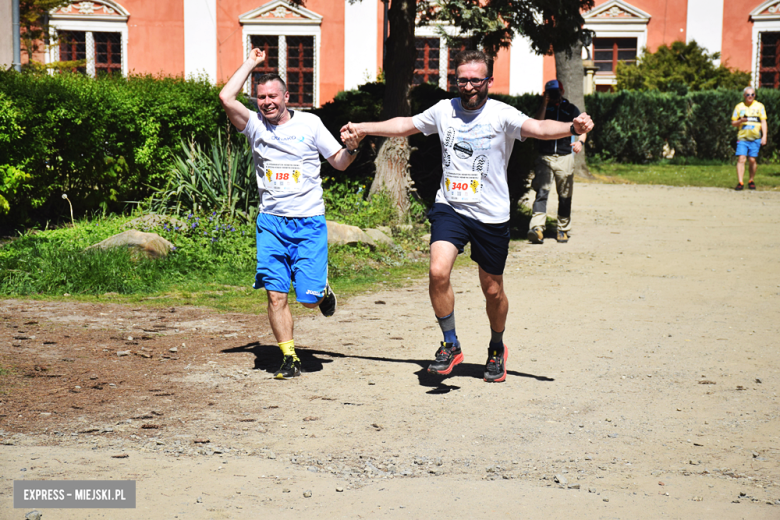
x=342, y=234
x=379, y=237
x=150, y=244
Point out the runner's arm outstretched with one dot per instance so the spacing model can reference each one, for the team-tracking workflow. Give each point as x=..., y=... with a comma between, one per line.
x=236, y=111
x=396, y=127
x=551, y=129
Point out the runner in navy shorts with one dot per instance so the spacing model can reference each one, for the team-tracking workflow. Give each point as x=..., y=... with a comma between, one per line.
x=472, y=205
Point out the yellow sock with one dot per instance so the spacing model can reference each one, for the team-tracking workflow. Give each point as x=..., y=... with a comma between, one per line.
x=288, y=348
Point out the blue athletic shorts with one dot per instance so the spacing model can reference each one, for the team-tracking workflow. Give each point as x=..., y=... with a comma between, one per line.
x=292, y=248
x=489, y=242
x=748, y=148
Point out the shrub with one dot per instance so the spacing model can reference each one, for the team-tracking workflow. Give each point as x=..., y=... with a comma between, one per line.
x=634, y=126
x=218, y=179
x=102, y=141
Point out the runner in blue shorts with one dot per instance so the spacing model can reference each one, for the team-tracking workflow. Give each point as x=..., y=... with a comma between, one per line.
x=292, y=236
x=472, y=205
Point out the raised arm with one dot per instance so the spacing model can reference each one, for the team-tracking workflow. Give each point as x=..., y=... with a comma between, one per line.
x=236, y=111
x=396, y=127
x=551, y=129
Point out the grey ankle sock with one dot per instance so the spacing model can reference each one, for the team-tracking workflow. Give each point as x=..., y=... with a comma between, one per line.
x=497, y=337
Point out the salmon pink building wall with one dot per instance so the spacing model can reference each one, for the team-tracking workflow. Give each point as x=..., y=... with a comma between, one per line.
x=155, y=37
x=737, y=33
x=501, y=72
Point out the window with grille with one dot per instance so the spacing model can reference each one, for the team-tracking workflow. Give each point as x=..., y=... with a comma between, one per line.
x=426, y=68
x=270, y=45
x=300, y=70
x=769, y=61
x=607, y=52
x=73, y=47
x=452, y=78
x=108, y=53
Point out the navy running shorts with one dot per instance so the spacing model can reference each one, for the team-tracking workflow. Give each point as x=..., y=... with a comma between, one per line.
x=489, y=242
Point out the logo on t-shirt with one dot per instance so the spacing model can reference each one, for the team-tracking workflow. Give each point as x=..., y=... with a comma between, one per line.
x=463, y=150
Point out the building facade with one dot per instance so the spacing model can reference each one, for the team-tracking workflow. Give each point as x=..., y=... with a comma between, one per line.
x=333, y=45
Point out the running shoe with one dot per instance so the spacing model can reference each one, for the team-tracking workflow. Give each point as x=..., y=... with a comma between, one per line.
x=495, y=368
x=562, y=237
x=448, y=355
x=536, y=235
x=739, y=187
x=751, y=185
x=290, y=368
x=328, y=303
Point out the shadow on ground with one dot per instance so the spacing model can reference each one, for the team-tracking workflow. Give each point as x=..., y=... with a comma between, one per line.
x=269, y=359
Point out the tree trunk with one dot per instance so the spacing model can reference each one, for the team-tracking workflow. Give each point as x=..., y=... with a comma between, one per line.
x=570, y=72
x=392, y=173
x=392, y=162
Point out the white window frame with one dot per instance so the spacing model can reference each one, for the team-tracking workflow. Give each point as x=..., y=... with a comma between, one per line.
x=82, y=20
x=633, y=26
x=307, y=25
x=763, y=23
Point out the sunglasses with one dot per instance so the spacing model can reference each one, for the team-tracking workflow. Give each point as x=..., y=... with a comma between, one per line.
x=476, y=82
x=750, y=95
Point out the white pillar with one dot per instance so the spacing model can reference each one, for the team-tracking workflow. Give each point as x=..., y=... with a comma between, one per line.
x=705, y=24
x=200, y=38
x=360, y=42
x=526, y=68
x=89, y=49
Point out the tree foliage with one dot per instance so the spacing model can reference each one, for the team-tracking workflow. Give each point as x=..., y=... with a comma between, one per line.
x=33, y=26
x=550, y=25
x=679, y=68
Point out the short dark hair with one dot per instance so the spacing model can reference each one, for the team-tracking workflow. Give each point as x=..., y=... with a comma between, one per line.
x=464, y=57
x=267, y=78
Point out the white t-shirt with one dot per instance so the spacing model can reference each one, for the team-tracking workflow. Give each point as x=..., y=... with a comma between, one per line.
x=476, y=145
x=287, y=163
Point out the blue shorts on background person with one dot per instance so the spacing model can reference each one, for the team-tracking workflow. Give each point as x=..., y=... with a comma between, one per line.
x=748, y=148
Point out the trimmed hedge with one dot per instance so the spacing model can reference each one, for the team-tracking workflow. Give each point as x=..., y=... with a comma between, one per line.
x=633, y=126
x=103, y=142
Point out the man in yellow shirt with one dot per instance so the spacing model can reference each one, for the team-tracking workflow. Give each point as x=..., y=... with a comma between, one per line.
x=750, y=117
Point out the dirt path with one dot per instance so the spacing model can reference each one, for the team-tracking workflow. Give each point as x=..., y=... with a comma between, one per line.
x=643, y=371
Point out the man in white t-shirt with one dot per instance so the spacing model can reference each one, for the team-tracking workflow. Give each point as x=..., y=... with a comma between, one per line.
x=292, y=236
x=472, y=205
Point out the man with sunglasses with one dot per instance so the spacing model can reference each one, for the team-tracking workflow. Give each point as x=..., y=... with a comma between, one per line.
x=472, y=205
x=750, y=117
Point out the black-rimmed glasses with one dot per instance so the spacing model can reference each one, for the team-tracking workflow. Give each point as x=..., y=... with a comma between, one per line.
x=750, y=95
x=475, y=82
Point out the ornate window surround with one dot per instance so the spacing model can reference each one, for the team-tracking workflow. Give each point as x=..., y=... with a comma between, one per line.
x=765, y=18
x=85, y=18
x=605, y=21
x=288, y=20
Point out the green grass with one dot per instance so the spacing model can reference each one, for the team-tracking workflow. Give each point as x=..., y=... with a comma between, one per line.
x=213, y=265
x=677, y=173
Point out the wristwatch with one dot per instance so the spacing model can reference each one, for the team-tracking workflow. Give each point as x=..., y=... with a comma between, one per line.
x=573, y=131
x=351, y=152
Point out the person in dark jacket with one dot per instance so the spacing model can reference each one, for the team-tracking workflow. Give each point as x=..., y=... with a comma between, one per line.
x=555, y=161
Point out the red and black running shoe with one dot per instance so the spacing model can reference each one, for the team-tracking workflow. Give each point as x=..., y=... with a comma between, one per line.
x=448, y=355
x=495, y=368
